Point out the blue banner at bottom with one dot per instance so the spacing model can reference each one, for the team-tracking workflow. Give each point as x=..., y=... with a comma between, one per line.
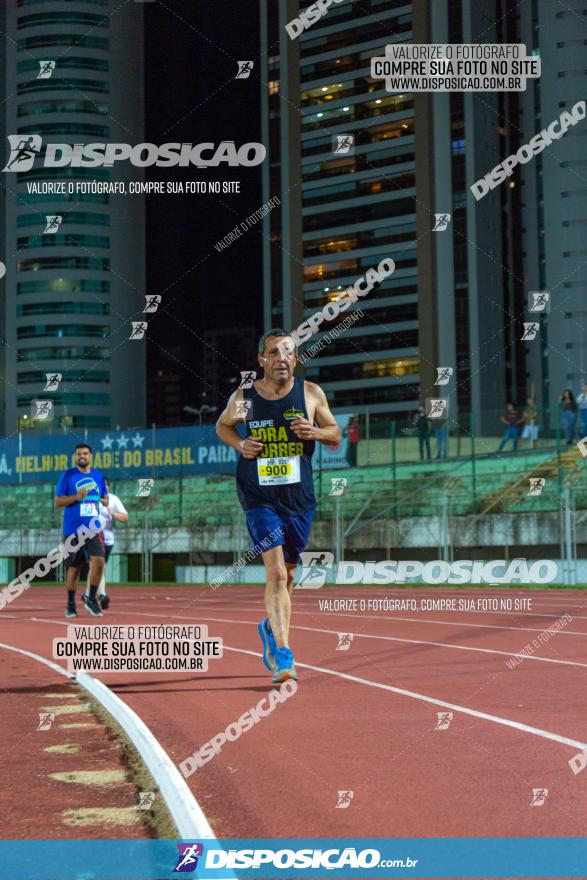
x=305, y=858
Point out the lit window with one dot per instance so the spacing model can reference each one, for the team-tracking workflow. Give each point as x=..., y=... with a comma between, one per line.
x=392, y=367
x=319, y=271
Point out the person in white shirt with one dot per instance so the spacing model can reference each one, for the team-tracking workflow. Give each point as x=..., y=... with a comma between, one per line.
x=115, y=512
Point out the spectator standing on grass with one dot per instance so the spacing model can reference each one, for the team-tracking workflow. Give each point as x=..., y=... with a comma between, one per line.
x=354, y=435
x=530, y=419
x=582, y=404
x=568, y=407
x=511, y=421
x=422, y=426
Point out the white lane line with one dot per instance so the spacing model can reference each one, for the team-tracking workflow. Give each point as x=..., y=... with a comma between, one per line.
x=390, y=638
x=55, y=666
x=475, y=713
x=446, y=645
x=378, y=592
x=510, y=613
x=563, y=605
x=384, y=638
x=308, y=605
x=120, y=606
x=496, y=719
x=359, y=635
x=540, y=600
x=299, y=606
x=343, y=615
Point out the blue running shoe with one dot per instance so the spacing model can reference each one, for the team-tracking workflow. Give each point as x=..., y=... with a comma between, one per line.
x=284, y=665
x=269, y=646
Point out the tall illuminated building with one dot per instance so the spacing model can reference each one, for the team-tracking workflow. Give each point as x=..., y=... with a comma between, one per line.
x=342, y=212
x=69, y=296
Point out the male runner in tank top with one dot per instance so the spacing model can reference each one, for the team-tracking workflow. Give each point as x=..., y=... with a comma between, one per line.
x=285, y=418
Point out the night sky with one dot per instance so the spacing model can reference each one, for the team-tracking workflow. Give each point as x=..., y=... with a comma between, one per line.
x=191, y=53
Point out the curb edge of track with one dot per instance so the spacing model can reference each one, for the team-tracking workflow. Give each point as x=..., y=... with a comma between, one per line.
x=189, y=818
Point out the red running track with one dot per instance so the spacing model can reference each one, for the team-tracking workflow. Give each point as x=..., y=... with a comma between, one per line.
x=363, y=719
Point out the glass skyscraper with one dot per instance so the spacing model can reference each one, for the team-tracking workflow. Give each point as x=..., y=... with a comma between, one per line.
x=69, y=294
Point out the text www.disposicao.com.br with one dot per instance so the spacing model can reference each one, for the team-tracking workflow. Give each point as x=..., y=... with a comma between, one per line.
x=135, y=664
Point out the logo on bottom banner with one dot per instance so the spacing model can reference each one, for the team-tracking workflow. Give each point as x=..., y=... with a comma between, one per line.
x=187, y=857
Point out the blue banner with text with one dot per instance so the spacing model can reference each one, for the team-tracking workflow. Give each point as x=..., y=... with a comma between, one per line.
x=294, y=857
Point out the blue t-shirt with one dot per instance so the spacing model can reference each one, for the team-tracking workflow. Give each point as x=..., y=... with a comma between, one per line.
x=82, y=512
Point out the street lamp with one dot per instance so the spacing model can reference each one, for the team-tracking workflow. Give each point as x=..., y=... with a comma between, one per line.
x=200, y=411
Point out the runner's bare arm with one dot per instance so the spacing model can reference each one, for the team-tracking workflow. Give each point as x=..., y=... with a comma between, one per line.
x=226, y=429
x=327, y=431
x=119, y=517
x=330, y=433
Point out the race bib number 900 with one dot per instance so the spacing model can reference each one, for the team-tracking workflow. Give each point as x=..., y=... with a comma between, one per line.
x=278, y=471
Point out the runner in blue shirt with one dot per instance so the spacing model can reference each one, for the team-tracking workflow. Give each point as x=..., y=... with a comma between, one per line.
x=80, y=491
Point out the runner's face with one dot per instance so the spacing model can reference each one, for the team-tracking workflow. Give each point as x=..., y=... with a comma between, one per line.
x=83, y=457
x=278, y=360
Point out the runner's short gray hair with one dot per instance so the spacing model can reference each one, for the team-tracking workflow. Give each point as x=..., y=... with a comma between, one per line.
x=275, y=331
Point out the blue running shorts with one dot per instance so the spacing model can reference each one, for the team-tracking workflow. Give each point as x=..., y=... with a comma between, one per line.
x=268, y=528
